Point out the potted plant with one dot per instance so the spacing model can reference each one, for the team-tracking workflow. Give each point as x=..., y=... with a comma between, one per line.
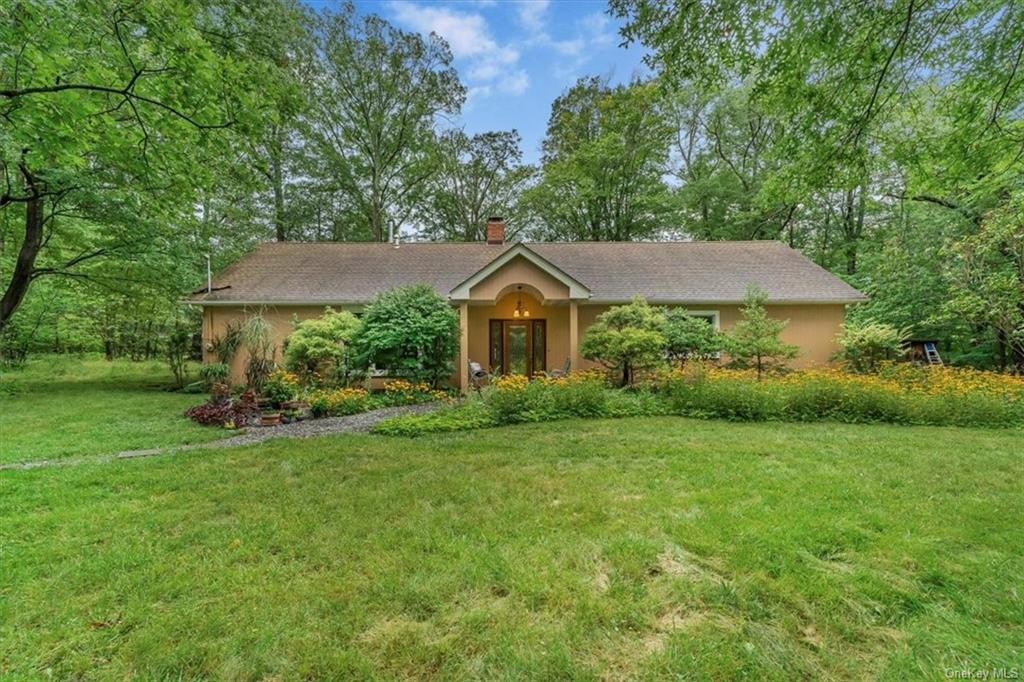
x=270, y=419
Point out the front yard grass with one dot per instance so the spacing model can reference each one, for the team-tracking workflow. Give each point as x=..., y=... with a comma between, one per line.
x=647, y=547
x=60, y=406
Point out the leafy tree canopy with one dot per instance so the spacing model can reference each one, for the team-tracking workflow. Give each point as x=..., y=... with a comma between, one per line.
x=627, y=338
x=412, y=331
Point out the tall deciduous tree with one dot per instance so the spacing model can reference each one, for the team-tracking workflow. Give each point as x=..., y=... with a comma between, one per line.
x=988, y=278
x=108, y=112
x=835, y=77
x=474, y=177
x=605, y=155
x=376, y=99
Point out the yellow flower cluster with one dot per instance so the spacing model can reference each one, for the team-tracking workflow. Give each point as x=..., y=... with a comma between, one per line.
x=329, y=400
x=403, y=386
x=901, y=378
x=519, y=382
x=509, y=383
x=283, y=376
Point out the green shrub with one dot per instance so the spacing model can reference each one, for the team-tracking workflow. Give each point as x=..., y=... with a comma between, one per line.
x=900, y=394
x=626, y=339
x=867, y=344
x=213, y=373
x=514, y=398
x=465, y=417
x=411, y=331
x=690, y=337
x=322, y=345
x=281, y=386
x=340, y=402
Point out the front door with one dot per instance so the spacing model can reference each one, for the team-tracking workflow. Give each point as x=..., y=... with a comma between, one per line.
x=518, y=346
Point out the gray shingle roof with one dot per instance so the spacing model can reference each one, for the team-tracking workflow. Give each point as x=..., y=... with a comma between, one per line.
x=683, y=272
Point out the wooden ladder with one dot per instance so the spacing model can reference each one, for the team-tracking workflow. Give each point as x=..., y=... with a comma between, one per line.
x=931, y=353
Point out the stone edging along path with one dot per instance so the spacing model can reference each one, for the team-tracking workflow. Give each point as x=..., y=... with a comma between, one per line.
x=353, y=423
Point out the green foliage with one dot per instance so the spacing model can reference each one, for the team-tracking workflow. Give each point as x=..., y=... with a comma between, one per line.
x=987, y=277
x=281, y=387
x=377, y=94
x=604, y=157
x=690, y=336
x=754, y=340
x=627, y=339
x=110, y=114
x=411, y=331
x=178, y=351
x=226, y=346
x=465, y=417
x=898, y=397
x=474, y=178
x=213, y=373
x=514, y=400
x=866, y=344
x=256, y=335
x=321, y=345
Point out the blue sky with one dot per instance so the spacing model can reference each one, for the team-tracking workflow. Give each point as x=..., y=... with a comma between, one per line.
x=516, y=56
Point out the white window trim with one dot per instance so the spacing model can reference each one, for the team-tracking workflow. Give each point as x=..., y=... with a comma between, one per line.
x=713, y=314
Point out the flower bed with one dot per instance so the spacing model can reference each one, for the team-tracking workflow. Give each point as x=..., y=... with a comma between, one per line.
x=901, y=394
x=284, y=389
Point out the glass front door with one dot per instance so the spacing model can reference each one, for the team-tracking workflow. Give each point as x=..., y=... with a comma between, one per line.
x=518, y=346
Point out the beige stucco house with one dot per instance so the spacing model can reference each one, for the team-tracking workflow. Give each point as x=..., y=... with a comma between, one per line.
x=525, y=306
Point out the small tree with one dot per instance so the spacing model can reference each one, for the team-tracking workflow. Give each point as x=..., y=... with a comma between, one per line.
x=178, y=350
x=689, y=336
x=322, y=344
x=866, y=344
x=754, y=340
x=627, y=338
x=411, y=330
x=257, y=335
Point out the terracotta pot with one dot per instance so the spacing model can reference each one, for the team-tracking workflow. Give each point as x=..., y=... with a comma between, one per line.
x=272, y=419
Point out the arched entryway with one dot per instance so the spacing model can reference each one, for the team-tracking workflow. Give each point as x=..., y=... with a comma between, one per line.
x=517, y=334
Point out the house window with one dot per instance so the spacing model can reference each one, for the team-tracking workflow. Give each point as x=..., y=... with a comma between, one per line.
x=710, y=315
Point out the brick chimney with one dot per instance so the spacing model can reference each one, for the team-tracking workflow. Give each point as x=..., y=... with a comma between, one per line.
x=496, y=230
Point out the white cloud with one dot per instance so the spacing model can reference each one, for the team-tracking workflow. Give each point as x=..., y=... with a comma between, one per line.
x=465, y=33
x=483, y=60
x=514, y=83
x=596, y=28
x=568, y=48
x=531, y=13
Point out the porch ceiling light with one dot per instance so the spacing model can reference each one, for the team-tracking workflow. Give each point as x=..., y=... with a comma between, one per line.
x=520, y=311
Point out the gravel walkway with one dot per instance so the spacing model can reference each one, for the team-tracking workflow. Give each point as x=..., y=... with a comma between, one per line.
x=354, y=423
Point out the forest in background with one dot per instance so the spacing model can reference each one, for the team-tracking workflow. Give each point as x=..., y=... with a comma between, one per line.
x=886, y=144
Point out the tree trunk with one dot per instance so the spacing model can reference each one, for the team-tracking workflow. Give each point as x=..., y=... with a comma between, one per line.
x=21, y=276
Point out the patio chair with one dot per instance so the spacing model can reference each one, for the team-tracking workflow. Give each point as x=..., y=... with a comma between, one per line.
x=478, y=375
x=555, y=373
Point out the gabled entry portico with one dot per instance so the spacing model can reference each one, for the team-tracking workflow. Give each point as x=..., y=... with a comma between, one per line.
x=519, y=315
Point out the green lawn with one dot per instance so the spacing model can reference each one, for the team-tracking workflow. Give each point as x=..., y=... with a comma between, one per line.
x=654, y=547
x=61, y=406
